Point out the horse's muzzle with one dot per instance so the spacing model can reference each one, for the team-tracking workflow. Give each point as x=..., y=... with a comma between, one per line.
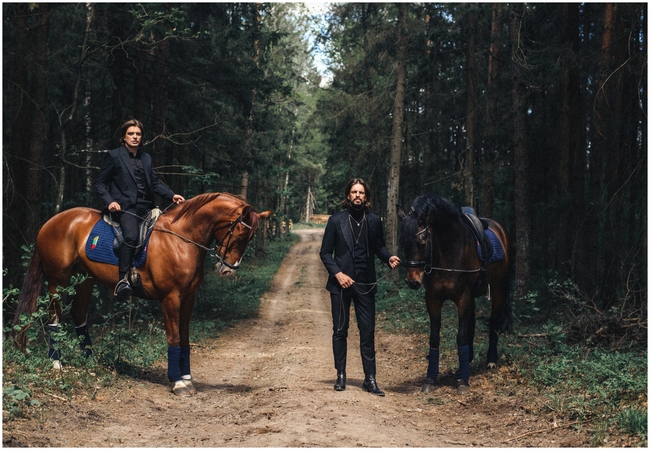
x=413, y=284
x=225, y=269
x=413, y=278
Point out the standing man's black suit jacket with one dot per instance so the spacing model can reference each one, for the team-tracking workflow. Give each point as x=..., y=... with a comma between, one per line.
x=336, y=249
x=116, y=181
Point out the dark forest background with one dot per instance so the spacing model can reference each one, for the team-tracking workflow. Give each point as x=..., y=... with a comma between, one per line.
x=533, y=113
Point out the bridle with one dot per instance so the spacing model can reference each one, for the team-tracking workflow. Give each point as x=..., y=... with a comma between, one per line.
x=427, y=263
x=221, y=259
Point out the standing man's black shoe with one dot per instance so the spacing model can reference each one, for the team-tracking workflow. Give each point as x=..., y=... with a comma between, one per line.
x=370, y=385
x=340, y=382
x=122, y=289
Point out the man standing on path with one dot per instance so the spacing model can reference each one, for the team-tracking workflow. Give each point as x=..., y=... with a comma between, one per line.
x=352, y=238
x=126, y=184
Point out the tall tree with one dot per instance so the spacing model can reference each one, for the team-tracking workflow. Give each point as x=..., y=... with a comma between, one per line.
x=520, y=144
x=571, y=142
x=490, y=142
x=588, y=264
x=471, y=105
x=398, y=130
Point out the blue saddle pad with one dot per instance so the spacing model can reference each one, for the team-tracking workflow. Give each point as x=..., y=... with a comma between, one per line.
x=497, y=248
x=99, y=246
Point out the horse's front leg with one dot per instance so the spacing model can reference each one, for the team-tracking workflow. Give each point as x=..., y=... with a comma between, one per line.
x=434, y=307
x=186, y=315
x=178, y=346
x=464, y=340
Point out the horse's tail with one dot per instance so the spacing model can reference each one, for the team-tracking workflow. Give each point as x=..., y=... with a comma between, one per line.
x=27, y=301
x=506, y=320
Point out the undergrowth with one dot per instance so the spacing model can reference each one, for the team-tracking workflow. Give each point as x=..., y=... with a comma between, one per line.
x=128, y=336
x=574, y=368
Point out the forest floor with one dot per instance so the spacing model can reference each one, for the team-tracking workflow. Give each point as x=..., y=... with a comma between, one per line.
x=268, y=382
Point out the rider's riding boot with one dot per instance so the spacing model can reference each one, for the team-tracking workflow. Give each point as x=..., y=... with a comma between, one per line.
x=340, y=382
x=370, y=385
x=122, y=288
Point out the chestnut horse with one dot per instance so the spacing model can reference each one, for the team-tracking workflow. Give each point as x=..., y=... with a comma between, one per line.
x=171, y=273
x=442, y=254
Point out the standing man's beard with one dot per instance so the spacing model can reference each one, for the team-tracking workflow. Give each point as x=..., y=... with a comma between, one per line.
x=357, y=207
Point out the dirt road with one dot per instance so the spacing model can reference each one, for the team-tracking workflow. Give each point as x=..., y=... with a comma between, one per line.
x=269, y=383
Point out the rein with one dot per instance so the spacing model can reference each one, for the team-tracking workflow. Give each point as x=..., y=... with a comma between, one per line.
x=428, y=265
x=220, y=258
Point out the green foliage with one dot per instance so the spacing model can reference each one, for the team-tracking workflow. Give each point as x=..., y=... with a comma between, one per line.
x=15, y=400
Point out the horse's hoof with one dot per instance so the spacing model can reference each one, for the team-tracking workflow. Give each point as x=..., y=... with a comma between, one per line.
x=190, y=386
x=429, y=386
x=181, y=390
x=462, y=386
x=56, y=365
x=492, y=365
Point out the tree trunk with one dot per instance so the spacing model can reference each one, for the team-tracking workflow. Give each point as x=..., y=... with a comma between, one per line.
x=470, y=123
x=37, y=132
x=569, y=144
x=160, y=95
x=397, y=132
x=244, y=185
x=588, y=263
x=490, y=147
x=520, y=144
x=15, y=168
x=308, y=204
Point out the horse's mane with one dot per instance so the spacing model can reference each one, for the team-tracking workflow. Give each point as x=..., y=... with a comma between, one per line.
x=191, y=206
x=430, y=203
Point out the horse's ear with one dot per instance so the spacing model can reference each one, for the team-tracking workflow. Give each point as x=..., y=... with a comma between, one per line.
x=265, y=214
x=400, y=212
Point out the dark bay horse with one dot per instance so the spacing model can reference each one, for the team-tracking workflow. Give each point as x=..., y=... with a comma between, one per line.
x=442, y=254
x=172, y=272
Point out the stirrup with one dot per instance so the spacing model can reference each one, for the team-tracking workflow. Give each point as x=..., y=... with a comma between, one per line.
x=122, y=288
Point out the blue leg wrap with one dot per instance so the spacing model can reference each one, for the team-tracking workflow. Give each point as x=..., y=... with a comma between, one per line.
x=434, y=358
x=185, y=360
x=174, y=363
x=51, y=352
x=85, y=344
x=463, y=362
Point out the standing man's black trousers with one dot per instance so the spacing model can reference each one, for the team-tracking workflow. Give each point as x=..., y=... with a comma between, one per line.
x=364, y=308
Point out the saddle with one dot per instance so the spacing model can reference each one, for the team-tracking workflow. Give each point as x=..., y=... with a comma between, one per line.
x=478, y=227
x=146, y=227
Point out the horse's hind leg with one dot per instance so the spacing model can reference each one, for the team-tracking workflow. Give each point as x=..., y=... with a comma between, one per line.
x=466, y=321
x=54, y=308
x=434, y=308
x=496, y=318
x=79, y=312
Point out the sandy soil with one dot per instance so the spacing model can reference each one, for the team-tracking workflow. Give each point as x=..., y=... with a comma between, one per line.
x=268, y=382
